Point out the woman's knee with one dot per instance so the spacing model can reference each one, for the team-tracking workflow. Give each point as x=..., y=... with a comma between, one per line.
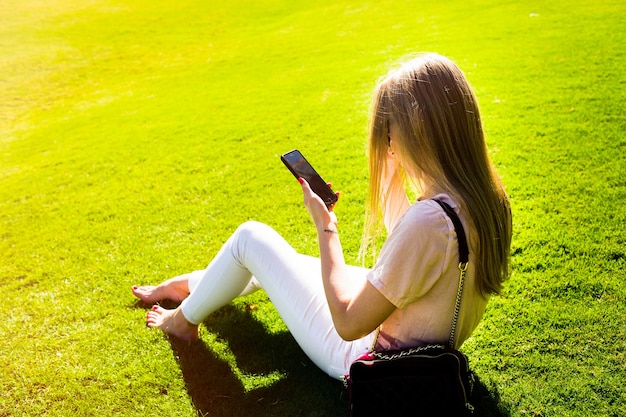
x=253, y=229
x=254, y=239
x=253, y=234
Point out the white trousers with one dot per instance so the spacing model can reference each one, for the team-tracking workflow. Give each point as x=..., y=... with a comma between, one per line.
x=255, y=257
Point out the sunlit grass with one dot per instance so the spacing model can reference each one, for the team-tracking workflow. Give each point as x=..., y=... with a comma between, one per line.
x=136, y=136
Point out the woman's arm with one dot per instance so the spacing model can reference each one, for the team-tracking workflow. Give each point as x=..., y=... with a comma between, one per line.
x=356, y=308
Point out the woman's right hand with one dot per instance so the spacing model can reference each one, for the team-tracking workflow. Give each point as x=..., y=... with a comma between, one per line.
x=322, y=216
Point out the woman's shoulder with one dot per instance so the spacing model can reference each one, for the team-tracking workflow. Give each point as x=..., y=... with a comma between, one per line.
x=427, y=213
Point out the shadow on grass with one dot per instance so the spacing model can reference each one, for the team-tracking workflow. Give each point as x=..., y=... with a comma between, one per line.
x=215, y=390
x=487, y=401
x=304, y=390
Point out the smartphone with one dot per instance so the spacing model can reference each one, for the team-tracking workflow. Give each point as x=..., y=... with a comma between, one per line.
x=301, y=168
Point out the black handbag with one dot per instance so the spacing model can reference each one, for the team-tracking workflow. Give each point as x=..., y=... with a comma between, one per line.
x=422, y=381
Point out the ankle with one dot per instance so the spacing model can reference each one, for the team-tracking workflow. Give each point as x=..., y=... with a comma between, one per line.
x=180, y=317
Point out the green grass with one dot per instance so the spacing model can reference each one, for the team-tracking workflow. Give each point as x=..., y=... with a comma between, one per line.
x=135, y=136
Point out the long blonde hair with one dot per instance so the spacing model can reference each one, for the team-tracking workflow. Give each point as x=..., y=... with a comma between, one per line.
x=440, y=140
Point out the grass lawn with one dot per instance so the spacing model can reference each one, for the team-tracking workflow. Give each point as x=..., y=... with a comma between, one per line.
x=136, y=135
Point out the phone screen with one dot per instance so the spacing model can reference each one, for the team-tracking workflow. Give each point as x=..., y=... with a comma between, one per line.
x=300, y=167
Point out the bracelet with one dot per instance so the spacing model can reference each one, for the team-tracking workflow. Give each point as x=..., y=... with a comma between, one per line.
x=331, y=231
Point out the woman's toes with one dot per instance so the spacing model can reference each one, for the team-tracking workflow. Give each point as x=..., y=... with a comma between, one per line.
x=147, y=294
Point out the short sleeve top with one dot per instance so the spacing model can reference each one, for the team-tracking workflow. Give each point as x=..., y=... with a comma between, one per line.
x=417, y=271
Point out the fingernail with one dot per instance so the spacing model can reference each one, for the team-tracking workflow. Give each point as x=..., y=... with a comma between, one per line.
x=301, y=180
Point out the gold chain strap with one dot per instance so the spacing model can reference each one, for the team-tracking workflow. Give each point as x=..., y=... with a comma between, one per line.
x=457, y=306
x=408, y=352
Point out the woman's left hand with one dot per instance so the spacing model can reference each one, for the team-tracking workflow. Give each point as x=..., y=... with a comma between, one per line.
x=322, y=216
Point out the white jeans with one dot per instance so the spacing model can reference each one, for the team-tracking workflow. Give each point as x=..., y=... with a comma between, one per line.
x=256, y=256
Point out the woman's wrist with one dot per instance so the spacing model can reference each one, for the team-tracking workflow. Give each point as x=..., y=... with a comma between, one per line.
x=326, y=224
x=327, y=228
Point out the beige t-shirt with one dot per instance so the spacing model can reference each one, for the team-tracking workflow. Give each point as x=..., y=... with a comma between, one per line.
x=417, y=271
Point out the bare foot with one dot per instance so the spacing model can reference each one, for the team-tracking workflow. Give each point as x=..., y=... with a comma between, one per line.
x=172, y=322
x=175, y=289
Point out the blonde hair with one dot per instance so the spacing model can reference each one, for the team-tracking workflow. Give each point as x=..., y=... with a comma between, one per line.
x=440, y=141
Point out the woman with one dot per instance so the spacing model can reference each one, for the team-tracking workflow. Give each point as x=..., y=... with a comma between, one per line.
x=425, y=131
